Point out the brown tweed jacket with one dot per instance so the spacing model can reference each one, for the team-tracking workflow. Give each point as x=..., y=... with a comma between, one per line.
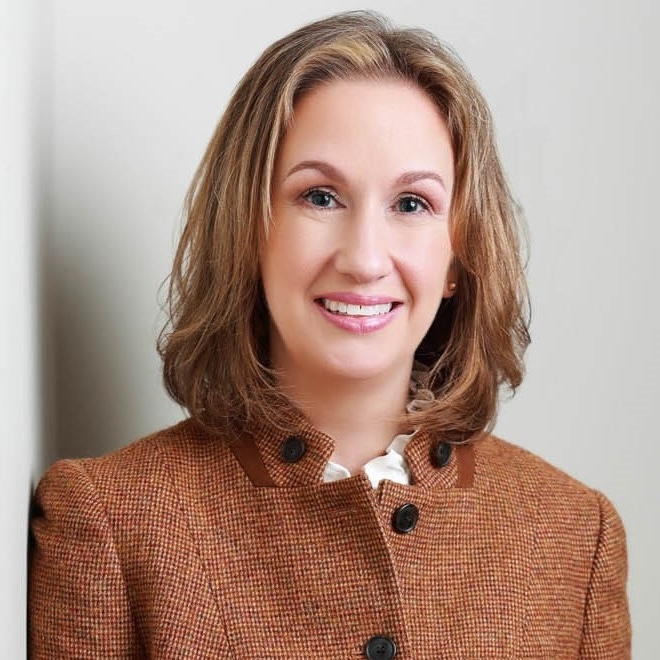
x=182, y=546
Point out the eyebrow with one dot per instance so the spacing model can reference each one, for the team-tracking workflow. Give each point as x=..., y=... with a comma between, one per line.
x=321, y=166
x=333, y=173
x=412, y=177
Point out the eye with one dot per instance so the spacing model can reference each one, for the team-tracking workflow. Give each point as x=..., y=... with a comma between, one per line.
x=320, y=198
x=411, y=204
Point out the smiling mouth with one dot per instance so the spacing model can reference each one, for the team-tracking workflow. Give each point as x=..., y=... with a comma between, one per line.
x=348, y=309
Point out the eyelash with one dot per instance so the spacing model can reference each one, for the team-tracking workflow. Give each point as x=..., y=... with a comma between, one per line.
x=420, y=200
x=318, y=191
x=425, y=206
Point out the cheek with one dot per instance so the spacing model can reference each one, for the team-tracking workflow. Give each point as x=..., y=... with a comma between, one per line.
x=426, y=264
x=289, y=258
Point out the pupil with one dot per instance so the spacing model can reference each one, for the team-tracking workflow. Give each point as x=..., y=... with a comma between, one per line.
x=409, y=205
x=320, y=199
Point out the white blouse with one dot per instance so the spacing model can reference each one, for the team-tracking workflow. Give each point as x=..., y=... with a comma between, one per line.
x=391, y=465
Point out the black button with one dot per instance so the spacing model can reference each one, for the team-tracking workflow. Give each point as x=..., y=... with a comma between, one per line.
x=293, y=449
x=380, y=648
x=442, y=454
x=405, y=518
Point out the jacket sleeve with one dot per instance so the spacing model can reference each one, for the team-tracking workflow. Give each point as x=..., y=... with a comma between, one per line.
x=78, y=603
x=606, y=629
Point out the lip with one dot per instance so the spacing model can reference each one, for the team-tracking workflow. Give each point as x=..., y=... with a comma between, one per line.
x=359, y=325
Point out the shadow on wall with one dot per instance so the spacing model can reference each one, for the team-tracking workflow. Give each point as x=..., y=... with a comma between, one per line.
x=100, y=319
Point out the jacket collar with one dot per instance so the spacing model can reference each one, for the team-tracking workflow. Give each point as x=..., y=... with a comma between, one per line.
x=297, y=456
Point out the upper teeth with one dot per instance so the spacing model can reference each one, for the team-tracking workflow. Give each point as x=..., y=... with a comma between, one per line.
x=356, y=310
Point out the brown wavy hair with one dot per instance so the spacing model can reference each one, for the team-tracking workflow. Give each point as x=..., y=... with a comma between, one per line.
x=215, y=345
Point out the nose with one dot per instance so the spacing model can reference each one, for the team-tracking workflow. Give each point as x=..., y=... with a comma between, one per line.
x=364, y=252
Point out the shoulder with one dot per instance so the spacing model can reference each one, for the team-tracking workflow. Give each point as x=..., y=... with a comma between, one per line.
x=500, y=461
x=514, y=476
x=142, y=473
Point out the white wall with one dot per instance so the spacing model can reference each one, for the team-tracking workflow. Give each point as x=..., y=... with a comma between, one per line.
x=19, y=405
x=135, y=90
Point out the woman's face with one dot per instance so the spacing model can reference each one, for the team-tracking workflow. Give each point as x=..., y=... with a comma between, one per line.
x=357, y=259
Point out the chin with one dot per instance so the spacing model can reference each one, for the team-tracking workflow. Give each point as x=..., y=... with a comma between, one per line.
x=355, y=368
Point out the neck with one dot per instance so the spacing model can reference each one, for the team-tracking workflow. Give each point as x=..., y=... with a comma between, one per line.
x=359, y=415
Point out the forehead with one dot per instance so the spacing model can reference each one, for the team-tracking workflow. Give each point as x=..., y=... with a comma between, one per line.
x=361, y=125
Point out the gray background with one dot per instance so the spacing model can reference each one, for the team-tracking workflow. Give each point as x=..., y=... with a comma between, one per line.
x=124, y=96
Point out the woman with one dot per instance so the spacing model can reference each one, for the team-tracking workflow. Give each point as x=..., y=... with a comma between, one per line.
x=346, y=300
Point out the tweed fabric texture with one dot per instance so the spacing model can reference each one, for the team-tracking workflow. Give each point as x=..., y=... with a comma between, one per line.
x=167, y=549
